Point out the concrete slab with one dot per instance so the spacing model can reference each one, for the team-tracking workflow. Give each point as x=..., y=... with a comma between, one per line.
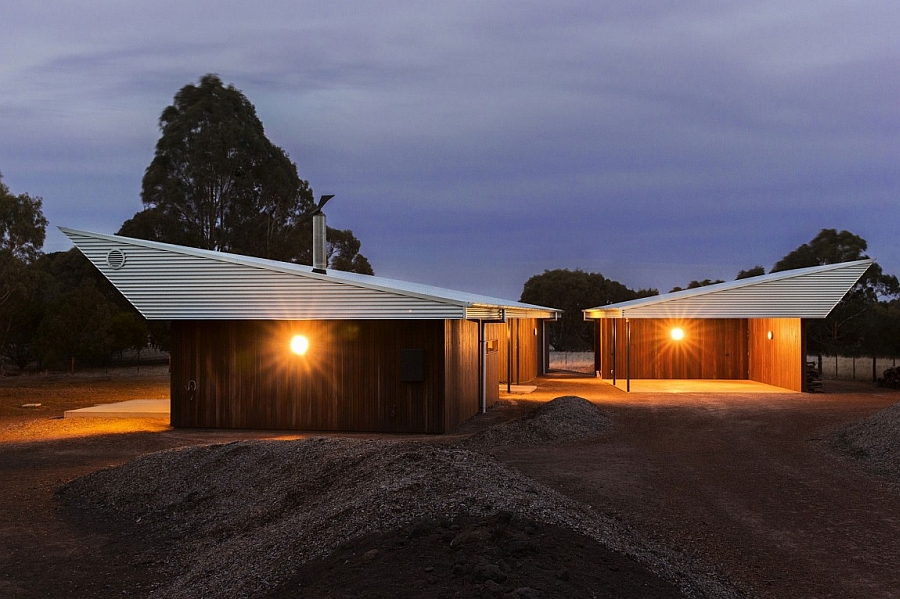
x=518, y=389
x=135, y=408
x=698, y=386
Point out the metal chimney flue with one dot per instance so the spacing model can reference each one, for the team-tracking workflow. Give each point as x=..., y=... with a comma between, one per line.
x=320, y=259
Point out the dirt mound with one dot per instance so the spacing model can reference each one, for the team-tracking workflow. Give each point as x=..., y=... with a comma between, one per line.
x=565, y=419
x=502, y=556
x=875, y=441
x=239, y=519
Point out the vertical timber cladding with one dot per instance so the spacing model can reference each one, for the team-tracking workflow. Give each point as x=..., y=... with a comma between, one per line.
x=525, y=348
x=710, y=348
x=462, y=384
x=182, y=378
x=776, y=352
x=350, y=378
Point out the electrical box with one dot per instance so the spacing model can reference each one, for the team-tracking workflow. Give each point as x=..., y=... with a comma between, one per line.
x=412, y=365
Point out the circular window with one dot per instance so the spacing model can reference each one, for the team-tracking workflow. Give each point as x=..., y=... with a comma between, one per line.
x=115, y=259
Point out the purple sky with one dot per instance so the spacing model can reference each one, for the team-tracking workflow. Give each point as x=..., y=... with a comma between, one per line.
x=473, y=144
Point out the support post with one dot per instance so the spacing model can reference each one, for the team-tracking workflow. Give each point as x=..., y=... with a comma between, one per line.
x=482, y=366
x=508, y=357
x=614, y=346
x=627, y=355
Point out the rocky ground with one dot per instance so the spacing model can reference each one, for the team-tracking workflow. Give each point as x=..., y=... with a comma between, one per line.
x=874, y=441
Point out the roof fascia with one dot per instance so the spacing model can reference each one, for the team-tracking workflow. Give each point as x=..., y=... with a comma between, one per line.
x=620, y=310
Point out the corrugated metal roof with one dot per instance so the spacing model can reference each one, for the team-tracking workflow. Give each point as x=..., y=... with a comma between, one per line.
x=172, y=282
x=802, y=293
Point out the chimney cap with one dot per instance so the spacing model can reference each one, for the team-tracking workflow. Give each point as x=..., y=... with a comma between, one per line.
x=322, y=201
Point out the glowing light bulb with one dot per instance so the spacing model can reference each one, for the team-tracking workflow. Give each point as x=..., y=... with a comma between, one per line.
x=299, y=344
x=677, y=334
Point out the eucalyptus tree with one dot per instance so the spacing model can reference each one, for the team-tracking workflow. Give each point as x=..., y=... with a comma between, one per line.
x=217, y=182
x=22, y=225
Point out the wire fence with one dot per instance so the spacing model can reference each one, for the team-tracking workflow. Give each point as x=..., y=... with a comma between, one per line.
x=853, y=368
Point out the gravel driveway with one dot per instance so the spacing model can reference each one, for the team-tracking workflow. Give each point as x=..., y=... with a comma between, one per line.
x=745, y=485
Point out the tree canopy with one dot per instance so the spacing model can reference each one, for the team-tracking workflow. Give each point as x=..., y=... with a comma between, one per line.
x=695, y=284
x=22, y=231
x=22, y=225
x=217, y=182
x=754, y=271
x=573, y=291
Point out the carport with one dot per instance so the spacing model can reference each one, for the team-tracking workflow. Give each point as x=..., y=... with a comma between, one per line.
x=752, y=329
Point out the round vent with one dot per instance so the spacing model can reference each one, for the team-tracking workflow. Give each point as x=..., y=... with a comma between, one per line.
x=115, y=259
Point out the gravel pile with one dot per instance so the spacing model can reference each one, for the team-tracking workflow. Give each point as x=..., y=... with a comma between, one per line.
x=566, y=419
x=875, y=440
x=237, y=520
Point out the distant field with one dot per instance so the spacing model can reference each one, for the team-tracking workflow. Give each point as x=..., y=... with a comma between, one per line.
x=577, y=361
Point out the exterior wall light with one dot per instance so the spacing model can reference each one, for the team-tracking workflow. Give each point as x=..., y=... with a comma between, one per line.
x=677, y=334
x=769, y=335
x=299, y=344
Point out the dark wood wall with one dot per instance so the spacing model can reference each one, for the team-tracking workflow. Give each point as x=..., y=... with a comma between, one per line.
x=778, y=361
x=525, y=348
x=710, y=349
x=241, y=374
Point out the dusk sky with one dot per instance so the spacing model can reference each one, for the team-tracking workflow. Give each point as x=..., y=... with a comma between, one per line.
x=474, y=144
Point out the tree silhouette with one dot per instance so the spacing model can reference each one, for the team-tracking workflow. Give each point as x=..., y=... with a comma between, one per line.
x=217, y=182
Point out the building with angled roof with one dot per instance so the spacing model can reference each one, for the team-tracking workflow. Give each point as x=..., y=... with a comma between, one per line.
x=749, y=329
x=370, y=353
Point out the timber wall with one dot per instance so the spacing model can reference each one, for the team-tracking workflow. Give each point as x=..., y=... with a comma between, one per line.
x=710, y=349
x=461, y=394
x=780, y=360
x=241, y=374
x=525, y=347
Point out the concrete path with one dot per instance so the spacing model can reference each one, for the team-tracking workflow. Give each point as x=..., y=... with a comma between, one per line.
x=135, y=408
